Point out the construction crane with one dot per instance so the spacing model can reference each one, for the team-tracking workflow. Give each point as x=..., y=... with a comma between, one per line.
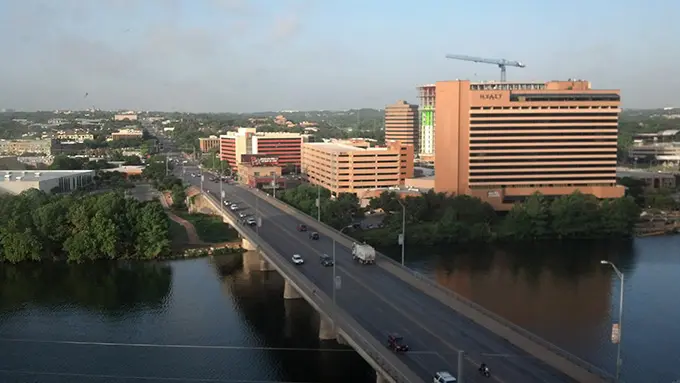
x=502, y=63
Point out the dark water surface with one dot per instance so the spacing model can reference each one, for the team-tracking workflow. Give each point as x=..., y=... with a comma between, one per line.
x=106, y=323
x=97, y=323
x=561, y=292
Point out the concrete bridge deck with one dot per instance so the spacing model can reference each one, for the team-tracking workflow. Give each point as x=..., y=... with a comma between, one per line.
x=376, y=300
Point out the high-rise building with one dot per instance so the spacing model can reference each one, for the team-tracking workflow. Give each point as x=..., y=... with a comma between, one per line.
x=286, y=147
x=401, y=123
x=345, y=168
x=502, y=142
x=426, y=94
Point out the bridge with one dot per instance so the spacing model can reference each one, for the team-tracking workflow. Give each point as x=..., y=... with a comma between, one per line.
x=443, y=329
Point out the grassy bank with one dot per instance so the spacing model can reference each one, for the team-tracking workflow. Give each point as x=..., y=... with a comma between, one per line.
x=178, y=234
x=210, y=228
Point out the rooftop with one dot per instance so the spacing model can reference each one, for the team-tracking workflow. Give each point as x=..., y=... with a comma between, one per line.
x=341, y=148
x=622, y=172
x=39, y=175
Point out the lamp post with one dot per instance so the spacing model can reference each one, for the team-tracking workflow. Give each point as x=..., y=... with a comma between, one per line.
x=402, y=236
x=221, y=190
x=318, y=202
x=619, y=362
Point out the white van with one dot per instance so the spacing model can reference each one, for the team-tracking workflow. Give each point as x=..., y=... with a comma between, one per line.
x=444, y=377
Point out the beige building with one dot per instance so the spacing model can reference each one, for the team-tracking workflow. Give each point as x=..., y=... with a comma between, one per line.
x=125, y=116
x=401, y=123
x=207, y=144
x=426, y=94
x=75, y=136
x=501, y=142
x=19, y=147
x=17, y=181
x=127, y=134
x=344, y=168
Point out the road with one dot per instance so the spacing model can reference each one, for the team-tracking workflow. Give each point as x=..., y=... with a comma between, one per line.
x=382, y=303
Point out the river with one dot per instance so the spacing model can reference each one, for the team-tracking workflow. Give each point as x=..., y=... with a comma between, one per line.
x=209, y=320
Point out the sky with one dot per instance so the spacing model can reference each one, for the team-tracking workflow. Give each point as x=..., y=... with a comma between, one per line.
x=264, y=55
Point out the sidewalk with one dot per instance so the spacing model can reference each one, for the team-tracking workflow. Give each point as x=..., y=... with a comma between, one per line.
x=192, y=235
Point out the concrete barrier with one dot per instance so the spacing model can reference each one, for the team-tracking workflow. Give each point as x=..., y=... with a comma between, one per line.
x=372, y=350
x=545, y=351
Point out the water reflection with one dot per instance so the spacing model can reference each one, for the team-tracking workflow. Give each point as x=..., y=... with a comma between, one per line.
x=104, y=287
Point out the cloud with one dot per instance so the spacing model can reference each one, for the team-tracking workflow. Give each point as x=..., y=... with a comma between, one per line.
x=285, y=27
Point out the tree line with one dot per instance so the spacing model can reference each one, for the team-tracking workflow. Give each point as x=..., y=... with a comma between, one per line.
x=438, y=218
x=38, y=226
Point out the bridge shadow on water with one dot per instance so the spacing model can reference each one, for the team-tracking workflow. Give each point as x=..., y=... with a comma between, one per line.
x=290, y=324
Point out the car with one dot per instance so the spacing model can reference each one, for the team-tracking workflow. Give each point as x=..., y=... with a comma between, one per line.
x=242, y=215
x=297, y=259
x=396, y=343
x=251, y=221
x=443, y=377
x=314, y=235
x=326, y=260
x=226, y=203
x=301, y=227
x=233, y=207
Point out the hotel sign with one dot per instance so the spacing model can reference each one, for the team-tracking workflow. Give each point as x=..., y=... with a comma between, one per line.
x=259, y=160
x=490, y=96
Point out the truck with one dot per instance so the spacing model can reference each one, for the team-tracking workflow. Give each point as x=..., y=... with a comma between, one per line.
x=363, y=253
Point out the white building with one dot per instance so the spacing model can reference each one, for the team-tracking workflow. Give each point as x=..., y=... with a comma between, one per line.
x=17, y=181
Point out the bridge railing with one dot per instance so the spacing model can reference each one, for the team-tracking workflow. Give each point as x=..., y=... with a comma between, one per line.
x=394, y=369
x=347, y=241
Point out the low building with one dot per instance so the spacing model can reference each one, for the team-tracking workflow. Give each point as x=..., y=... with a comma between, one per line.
x=653, y=180
x=75, y=136
x=261, y=172
x=125, y=116
x=208, y=144
x=17, y=181
x=127, y=134
x=344, y=168
x=19, y=147
x=127, y=170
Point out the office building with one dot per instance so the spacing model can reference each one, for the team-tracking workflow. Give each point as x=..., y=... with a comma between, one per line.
x=501, y=142
x=17, y=181
x=661, y=147
x=127, y=134
x=426, y=94
x=20, y=147
x=125, y=117
x=286, y=147
x=401, y=123
x=344, y=168
x=207, y=144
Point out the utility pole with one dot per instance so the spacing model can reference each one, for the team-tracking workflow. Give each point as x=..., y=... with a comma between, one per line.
x=402, y=236
x=460, y=366
x=221, y=190
x=318, y=202
x=274, y=185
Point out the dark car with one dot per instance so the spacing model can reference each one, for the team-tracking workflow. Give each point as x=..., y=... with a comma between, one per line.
x=326, y=260
x=396, y=343
x=314, y=235
x=302, y=227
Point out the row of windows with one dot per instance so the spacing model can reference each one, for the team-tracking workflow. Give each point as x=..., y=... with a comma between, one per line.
x=474, y=129
x=544, y=180
x=574, y=183
x=565, y=97
x=534, y=153
x=567, y=167
x=485, y=173
x=541, y=133
x=547, y=114
x=565, y=145
x=535, y=121
x=539, y=140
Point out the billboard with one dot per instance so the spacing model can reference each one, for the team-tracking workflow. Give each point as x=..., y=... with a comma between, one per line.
x=259, y=160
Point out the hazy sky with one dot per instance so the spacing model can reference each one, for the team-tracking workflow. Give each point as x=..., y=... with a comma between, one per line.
x=255, y=55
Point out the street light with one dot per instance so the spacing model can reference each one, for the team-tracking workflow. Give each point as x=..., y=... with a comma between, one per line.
x=318, y=202
x=402, y=236
x=619, y=362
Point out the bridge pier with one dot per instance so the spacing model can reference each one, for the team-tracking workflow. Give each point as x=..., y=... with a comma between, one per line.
x=247, y=245
x=289, y=291
x=341, y=340
x=379, y=378
x=264, y=265
x=251, y=261
x=326, y=329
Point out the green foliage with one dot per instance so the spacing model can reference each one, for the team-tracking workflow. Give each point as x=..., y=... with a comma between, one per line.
x=210, y=228
x=38, y=226
x=338, y=213
x=178, y=196
x=63, y=162
x=575, y=215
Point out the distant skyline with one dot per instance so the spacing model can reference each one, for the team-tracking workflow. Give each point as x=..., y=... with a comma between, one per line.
x=267, y=55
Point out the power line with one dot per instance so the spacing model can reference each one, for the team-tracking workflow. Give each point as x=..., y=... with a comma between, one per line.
x=132, y=377
x=186, y=346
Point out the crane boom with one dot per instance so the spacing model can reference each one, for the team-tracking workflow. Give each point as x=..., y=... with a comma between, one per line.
x=501, y=63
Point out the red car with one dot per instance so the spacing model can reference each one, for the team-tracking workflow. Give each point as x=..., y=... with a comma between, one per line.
x=302, y=227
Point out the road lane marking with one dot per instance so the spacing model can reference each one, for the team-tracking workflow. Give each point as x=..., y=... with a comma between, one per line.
x=346, y=272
